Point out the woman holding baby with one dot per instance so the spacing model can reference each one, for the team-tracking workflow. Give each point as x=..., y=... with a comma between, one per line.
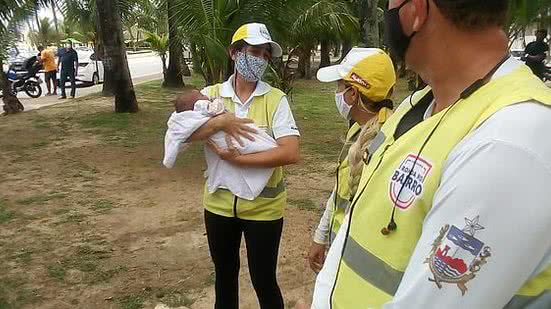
x=249, y=101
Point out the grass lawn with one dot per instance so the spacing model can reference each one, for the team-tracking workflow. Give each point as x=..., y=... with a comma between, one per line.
x=90, y=219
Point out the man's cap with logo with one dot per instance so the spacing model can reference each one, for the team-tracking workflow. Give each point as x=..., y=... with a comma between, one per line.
x=257, y=34
x=370, y=69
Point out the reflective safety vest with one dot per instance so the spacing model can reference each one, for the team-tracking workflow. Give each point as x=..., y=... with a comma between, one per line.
x=372, y=264
x=270, y=204
x=341, y=198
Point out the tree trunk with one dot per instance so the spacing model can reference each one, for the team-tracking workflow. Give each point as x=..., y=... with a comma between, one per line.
x=37, y=20
x=369, y=23
x=108, y=88
x=163, y=60
x=55, y=17
x=346, y=47
x=325, y=54
x=12, y=105
x=174, y=71
x=185, y=68
x=305, y=64
x=115, y=61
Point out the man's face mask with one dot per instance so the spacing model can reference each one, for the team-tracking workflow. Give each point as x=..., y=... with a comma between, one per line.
x=395, y=38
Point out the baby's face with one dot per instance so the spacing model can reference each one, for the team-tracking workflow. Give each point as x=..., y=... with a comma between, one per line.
x=186, y=101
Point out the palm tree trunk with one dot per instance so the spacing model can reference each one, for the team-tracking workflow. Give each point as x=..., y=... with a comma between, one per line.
x=369, y=23
x=304, y=63
x=115, y=61
x=12, y=105
x=36, y=18
x=174, y=72
x=346, y=47
x=325, y=54
x=55, y=17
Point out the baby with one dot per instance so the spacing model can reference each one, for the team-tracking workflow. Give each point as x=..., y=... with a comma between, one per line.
x=194, y=100
x=193, y=110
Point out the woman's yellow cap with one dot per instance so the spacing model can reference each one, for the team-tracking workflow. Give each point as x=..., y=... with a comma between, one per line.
x=257, y=34
x=369, y=69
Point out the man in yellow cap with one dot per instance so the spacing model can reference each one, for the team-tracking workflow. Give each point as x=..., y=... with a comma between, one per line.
x=365, y=79
x=228, y=217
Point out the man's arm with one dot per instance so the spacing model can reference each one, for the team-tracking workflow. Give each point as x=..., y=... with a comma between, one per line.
x=499, y=193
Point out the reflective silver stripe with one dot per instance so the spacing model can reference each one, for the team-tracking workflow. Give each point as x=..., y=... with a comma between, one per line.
x=270, y=192
x=341, y=203
x=371, y=268
x=376, y=143
x=542, y=301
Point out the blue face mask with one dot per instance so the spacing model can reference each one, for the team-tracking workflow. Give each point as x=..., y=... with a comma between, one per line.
x=251, y=68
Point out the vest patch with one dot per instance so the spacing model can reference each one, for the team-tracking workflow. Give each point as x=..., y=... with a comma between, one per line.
x=407, y=185
x=456, y=255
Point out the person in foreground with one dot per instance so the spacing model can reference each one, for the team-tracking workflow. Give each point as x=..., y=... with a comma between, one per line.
x=365, y=80
x=227, y=216
x=452, y=209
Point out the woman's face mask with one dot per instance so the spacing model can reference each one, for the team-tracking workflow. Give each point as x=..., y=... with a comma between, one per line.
x=250, y=67
x=342, y=106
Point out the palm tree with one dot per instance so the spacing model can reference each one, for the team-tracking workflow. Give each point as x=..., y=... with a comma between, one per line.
x=115, y=61
x=159, y=44
x=54, y=12
x=321, y=22
x=45, y=35
x=173, y=77
x=12, y=13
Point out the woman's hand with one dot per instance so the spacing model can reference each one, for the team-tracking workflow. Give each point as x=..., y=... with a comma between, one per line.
x=229, y=154
x=236, y=127
x=316, y=256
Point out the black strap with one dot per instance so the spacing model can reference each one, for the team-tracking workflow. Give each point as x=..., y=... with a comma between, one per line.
x=414, y=116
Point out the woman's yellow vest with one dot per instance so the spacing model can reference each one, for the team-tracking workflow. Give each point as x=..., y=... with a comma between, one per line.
x=372, y=264
x=341, y=198
x=270, y=204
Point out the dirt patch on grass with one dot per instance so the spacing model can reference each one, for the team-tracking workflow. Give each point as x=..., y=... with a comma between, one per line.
x=89, y=219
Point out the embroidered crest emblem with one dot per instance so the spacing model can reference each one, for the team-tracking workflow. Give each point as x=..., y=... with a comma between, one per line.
x=456, y=255
x=406, y=184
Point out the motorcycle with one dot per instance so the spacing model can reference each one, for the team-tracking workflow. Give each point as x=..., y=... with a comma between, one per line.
x=29, y=83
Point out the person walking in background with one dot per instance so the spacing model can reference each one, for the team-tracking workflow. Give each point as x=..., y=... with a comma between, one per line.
x=69, y=68
x=50, y=69
x=536, y=52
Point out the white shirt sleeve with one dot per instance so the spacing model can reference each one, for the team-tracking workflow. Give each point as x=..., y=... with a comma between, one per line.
x=502, y=190
x=283, y=122
x=321, y=235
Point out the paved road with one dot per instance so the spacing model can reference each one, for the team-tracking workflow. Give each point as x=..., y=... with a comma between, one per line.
x=143, y=68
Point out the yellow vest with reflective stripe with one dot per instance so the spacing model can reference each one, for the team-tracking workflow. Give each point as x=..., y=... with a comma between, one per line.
x=372, y=264
x=341, y=199
x=270, y=204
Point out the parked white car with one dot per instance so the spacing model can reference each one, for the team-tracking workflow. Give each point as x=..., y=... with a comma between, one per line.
x=90, y=69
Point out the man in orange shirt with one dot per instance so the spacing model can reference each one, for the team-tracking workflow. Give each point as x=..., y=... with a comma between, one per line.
x=50, y=68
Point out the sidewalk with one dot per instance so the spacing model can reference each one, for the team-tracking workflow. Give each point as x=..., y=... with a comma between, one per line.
x=32, y=104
